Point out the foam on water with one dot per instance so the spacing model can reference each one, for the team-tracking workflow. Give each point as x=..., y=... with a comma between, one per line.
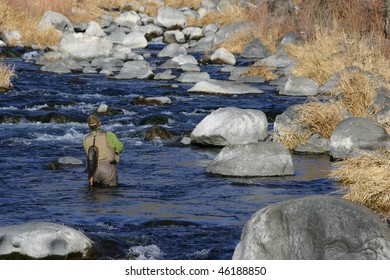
x=150, y=252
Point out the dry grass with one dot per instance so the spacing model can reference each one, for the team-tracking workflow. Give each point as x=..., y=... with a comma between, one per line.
x=270, y=29
x=237, y=42
x=367, y=177
x=232, y=13
x=195, y=4
x=358, y=92
x=321, y=117
x=6, y=74
x=268, y=73
x=291, y=138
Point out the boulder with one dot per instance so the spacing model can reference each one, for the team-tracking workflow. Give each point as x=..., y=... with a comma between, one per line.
x=193, y=77
x=353, y=135
x=280, y=59
x=205, y=44
x=128, y=19
x=166, y=75
x=255, y=49
x=189, y=67
x=135, y=40
x=94, y=29
x=41, y=240
x=185, y=59
x=172, y=50
x=157, y=132
x=170, y=18
x=299, y=86
x=84, y=47
x=135, y=70
x=159, y=100
x=230, y=125
x=57, y=67
x=314, y=228
x=117, y=37
x=193, y=33
x=314, y=145
x=252, y=160
x=223, y=56
x=55, y=20
x=174, y=36
x=150, y=31
x=11, y=37
x=223, y=87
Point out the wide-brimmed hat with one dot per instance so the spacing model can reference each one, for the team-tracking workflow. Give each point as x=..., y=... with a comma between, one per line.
x=93, y=121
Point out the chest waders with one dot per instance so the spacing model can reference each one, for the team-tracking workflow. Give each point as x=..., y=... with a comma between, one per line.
x=92, y=160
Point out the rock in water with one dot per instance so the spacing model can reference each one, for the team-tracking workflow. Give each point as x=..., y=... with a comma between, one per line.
x=314, y=228
x=41, y=240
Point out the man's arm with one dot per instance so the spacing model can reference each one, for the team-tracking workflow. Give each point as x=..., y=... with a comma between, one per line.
x=114, y=142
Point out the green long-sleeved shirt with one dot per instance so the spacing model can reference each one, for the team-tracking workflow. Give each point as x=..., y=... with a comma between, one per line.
x=113, y=141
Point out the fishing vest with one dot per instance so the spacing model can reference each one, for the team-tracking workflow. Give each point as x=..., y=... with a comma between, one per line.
x=106, y=152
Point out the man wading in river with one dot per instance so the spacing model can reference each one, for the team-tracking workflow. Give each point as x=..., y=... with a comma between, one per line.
x=102, y=150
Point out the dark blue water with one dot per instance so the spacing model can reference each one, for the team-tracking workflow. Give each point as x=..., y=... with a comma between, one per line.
x=166, y=207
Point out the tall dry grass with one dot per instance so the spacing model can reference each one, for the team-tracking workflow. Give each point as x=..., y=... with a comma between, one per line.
x=232, y=13
x=321, y=117
x=367, y=177
x=6, y=74
x=358, y=92
x=333, y=50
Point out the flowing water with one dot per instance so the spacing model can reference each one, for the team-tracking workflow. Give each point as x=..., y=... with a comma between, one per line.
x=166, y=206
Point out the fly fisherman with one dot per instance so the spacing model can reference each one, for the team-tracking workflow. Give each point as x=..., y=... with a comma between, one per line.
x=102, y=150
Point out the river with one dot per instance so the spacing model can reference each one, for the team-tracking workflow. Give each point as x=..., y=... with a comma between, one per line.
x=166, y=206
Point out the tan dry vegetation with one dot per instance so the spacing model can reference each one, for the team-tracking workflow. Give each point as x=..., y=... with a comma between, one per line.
x=358, y=92
x=333, y=50
x=195, y=4
x=267, y=72
x=321, y=117
x=291, y=138
x=237, y=42
x=270, y=29
x=232, y=13
x=367, y=177
x=6, y=74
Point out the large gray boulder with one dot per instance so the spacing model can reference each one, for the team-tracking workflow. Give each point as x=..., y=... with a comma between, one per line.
x=352, y=135
x=299, y=86
x=128, y=19
x=57, y=67
x=172, y=50
x=41, y=240
x=223, y=56
x=135, y=40
x=230, y=125
x=135, y=70
x=55, y=20
x=223, y=87
x=193, y=77
x=314, y=228
x=83, y=47
x=252, y=160
x=170, y=18
x=255, y=49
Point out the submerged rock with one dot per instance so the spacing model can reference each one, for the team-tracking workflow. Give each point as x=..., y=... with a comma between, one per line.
x=314, y=228
x=252, y=160
x=41, y=240
x=157, y=132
